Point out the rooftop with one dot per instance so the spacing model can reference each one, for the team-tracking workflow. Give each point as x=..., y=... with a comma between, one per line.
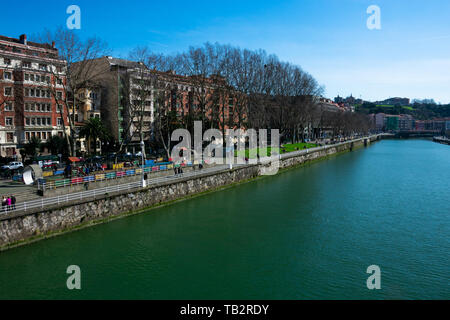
x=23, y=41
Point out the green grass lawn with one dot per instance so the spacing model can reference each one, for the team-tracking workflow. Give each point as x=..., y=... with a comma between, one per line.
x=391, y=106
x=268, y=151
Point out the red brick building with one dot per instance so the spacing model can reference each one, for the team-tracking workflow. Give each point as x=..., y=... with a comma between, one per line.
x=221, y=104
x=31, y=84
x=125, y=84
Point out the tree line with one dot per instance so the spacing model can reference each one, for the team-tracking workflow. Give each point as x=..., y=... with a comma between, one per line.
x=233, y=88
x=264, y=93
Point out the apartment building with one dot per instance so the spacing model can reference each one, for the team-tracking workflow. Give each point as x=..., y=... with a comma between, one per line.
x=87, y=106
x=130, y=94
x=380, y=121
x=406, y=122
x=31, y=93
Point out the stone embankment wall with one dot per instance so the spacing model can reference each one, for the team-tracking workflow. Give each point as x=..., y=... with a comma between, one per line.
x=38, y=225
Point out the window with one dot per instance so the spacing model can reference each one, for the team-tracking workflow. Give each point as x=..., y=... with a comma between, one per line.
x=49, y=121
x=29, y=92
x=27, y=77
x=59, y=122
x=7, y=61
x=26, y=64
x=27, y=135
x=27, y=121
x=8, y=121
x=59, y=95
x=31, y=77
x=7, y=76
x=59, y=81
x=8, y=91
x=10, y=137
x=49, y=107
x=37, y=78
x=9, y=106
x=43, y=67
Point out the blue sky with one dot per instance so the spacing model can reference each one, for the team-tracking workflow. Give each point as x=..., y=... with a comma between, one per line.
x=408, y=57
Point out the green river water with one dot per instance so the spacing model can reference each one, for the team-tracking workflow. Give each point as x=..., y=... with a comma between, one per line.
x=307, y=233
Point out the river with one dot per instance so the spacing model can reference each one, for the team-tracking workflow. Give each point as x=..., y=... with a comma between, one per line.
x=307, y=233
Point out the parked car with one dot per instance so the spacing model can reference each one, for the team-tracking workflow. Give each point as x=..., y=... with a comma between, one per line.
x=13, y=165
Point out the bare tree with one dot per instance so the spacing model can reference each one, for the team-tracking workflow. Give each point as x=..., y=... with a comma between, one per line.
x=76, y=71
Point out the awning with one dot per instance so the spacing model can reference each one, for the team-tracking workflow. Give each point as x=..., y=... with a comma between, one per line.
x=74, y=159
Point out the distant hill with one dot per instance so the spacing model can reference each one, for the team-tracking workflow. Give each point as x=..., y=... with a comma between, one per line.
x=418, y=111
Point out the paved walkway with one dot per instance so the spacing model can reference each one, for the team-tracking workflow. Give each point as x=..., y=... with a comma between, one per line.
x=21, y=191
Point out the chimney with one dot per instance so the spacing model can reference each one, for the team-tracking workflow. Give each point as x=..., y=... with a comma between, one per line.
x=53, y=44
x=23, y=38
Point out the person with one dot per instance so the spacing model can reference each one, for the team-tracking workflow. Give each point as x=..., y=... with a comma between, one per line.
x=175, y=170
x=13, y=202
x=3, y=203
x=68, y=172
x=8, y=203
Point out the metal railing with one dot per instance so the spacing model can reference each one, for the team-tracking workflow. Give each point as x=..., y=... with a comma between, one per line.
x=137, y=185
x=43, y=184
x=100, y=192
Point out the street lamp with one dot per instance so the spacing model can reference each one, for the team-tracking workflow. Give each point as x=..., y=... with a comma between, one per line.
x=142, y=159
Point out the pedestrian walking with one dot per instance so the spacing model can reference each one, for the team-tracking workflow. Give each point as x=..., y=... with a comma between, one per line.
x=13, y=202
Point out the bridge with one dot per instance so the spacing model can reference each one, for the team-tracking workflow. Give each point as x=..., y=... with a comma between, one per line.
x=416, y=133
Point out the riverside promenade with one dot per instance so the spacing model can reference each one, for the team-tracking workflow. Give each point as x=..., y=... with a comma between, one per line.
x=45, y=217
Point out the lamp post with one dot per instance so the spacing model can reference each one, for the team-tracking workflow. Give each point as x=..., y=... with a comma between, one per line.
x=142, y=159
